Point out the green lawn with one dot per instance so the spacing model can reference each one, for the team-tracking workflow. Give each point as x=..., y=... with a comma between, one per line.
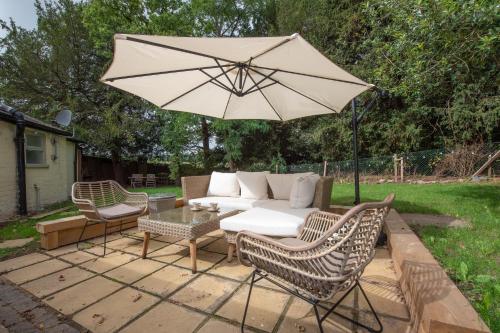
x=471, y=256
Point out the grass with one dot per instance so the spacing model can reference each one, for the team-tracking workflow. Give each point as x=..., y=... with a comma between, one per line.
x=471, y=256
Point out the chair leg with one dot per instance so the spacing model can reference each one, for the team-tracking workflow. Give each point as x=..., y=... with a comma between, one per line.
x=248, y=302
x=331, y=310
x=105, y=235
x=81, y=235
x=318, y=318
x=230, y=252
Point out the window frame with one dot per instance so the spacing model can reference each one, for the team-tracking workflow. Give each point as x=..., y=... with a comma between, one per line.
x=42, y=148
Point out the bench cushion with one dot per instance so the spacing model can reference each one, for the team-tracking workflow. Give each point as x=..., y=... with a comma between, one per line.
x=117, y=211
x=271, y=218
x=228, y=202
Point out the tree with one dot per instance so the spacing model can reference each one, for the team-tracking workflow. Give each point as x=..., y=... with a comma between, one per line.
x=66, y=75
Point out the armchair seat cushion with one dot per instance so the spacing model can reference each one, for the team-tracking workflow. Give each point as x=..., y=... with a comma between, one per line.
x=117, y=211
x=274, y=218
x=228, y=202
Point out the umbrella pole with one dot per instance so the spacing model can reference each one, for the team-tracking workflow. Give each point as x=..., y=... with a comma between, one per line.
x=355, y=151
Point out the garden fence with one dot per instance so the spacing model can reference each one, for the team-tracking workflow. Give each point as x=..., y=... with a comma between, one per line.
x=415, y=164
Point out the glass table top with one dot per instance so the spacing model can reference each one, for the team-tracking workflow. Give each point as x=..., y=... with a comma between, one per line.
x=184, y=215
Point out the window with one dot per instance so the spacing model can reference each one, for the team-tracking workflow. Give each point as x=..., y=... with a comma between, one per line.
x=35, y=148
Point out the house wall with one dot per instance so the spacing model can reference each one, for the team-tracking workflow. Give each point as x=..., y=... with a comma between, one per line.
x=8, y=186
x=53, y=179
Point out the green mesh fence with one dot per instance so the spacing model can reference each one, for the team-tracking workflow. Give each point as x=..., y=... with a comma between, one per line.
x=434, y=162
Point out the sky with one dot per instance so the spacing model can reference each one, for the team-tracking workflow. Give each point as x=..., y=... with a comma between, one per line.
x=22, y=11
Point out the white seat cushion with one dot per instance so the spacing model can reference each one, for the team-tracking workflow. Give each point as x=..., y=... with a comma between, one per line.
x=228, y=202
x=271, y=218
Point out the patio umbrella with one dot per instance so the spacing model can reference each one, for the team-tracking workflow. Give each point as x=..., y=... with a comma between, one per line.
x=274, y=78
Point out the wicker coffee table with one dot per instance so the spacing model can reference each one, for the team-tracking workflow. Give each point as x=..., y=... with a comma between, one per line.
x=181, y=222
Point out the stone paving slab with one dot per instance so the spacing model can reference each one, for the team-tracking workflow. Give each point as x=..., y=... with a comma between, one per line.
x=205, y=293
x=19, y=262
x=169, y=253
x=121, y=291
x=165, y=281
x=219, y=246
x=205, y=260
x=232, y=270
x=35, y=271
x=264, y=310
x=111, y=313
x=107, y=263
x=56, y=281
x=166, y=317
x=78, y=257
x=135, y=270
x=214, y=325
x=81, y=295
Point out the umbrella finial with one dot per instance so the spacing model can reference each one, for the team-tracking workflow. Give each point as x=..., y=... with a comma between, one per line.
x=295, y=35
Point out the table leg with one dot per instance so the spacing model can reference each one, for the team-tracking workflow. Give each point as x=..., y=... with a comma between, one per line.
x=192, y=252
x=145, y=245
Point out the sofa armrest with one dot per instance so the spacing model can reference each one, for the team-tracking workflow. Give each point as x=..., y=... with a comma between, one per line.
x=194, y=187
x=323, y=193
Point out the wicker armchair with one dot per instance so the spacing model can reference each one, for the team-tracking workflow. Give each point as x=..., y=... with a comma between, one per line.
x=105, y=202
x=327, y=257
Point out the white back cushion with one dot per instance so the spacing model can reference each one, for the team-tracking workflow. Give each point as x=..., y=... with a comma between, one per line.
x=303, y=188
x=223, y=185
x=253, y=184
x=281, y=184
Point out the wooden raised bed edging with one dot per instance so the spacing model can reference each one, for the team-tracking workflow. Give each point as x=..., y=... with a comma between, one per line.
x=60, y=232
x=435, y=303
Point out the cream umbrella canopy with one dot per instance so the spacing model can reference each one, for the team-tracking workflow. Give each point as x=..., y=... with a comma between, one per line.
x=274, y=78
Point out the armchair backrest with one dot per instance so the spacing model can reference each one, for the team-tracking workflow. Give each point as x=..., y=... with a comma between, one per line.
x=351, y=240
x=100, y=193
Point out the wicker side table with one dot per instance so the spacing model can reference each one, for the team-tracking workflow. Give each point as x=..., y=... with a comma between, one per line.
x=181, y=222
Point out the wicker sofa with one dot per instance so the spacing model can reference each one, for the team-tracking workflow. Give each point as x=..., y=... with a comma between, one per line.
x=268, y=217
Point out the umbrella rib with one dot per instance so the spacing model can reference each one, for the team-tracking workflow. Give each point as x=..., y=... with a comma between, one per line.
x=268, y=76
x=227, y=104
x=138, y=40
x=225, y=74
x=273, y=47
x=198, y=86
x=263, y=87
x=312, y=75
x=220, y=84
x=162, y=72
x=272, y=107
x=297, y=92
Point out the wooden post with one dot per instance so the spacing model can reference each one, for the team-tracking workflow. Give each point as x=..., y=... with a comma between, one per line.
x=402, y=168
x=325, y=165
x=489, y=168
x=395, y=158
x=277, y=168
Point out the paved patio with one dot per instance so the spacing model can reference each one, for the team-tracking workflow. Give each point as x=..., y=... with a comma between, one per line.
x=122, y=292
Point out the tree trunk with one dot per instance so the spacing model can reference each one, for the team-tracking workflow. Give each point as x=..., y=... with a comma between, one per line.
x=117, y=168
x=206, y=141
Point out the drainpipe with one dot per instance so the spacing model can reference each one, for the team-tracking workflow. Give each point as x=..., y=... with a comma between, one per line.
x=21, y=163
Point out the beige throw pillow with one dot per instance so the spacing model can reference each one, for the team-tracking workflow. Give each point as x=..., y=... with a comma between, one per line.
x=253, y=184
x=281, y=184
x=223, y=185
x=303, y=188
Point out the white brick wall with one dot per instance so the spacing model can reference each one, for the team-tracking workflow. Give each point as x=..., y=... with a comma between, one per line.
x=54, y=180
